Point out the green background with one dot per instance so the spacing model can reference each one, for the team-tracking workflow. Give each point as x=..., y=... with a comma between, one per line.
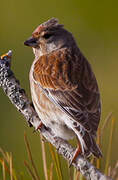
x=95, y=27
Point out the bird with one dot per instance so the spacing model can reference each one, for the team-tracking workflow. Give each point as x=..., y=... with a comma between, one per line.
x=64, y=88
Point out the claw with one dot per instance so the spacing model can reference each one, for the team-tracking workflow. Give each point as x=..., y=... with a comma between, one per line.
x=40, y=125
x=38, y=128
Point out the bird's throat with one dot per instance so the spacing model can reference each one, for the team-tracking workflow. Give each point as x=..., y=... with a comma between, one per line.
x=37, y=52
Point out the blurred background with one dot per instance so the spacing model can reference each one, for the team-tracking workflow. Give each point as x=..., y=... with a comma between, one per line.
x=94, y=24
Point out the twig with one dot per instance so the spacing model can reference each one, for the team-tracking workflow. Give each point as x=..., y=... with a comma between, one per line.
x=31, y=158
x=29, y=170
x=18, y=97
x=11, y=166
x=44, y=158
x=3, y=170
x=51, y=172
x=107, y=119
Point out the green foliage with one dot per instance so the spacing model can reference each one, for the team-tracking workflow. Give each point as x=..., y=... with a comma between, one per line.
x=8, y=170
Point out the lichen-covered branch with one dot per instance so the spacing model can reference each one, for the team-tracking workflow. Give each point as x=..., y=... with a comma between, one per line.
x=18, y=97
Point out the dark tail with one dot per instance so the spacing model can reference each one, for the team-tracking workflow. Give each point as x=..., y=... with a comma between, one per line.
x=95, y=148
x=89, y=145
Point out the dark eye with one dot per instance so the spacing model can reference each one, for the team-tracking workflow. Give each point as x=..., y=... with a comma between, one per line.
x=46, y=36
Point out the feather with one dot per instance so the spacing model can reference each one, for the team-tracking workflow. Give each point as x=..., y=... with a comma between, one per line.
x=69, y=82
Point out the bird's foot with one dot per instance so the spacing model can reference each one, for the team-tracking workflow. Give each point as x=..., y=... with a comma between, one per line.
x=77, y=152
x=39, y=127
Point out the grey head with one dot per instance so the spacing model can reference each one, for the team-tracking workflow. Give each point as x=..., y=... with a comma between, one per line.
x=50, y=36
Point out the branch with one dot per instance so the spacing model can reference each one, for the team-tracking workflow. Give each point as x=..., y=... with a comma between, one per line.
x=18, y=97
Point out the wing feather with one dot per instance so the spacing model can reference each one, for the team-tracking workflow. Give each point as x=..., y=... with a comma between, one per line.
x=74, y=87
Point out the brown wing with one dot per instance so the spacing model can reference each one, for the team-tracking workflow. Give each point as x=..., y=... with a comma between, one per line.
x=71, y=85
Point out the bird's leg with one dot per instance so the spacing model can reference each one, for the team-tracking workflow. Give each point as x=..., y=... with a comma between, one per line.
x=40, y=126
x=77, y=152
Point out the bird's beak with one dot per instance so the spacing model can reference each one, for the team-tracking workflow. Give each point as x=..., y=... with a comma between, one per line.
x=31, y=42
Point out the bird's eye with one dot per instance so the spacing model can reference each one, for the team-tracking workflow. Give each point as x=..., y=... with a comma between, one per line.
x=46, y=36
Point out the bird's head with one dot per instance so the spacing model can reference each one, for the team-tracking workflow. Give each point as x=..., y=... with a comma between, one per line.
x=48, y=37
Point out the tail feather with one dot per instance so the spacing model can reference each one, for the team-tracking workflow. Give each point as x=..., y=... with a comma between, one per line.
x=95, y=149
x=88, y=144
